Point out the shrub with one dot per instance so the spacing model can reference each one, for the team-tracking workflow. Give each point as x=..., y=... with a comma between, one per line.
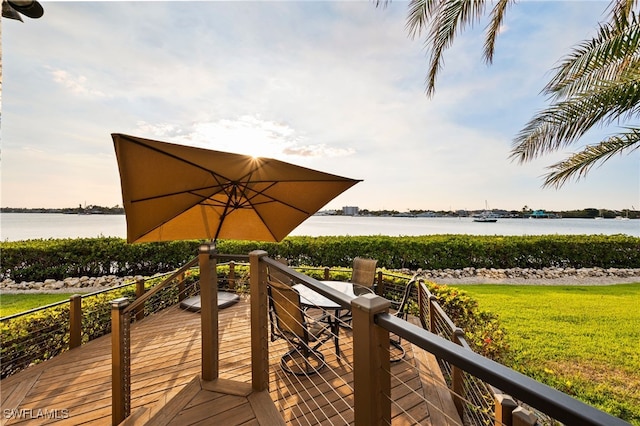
x=483, y=330
x=37, y=260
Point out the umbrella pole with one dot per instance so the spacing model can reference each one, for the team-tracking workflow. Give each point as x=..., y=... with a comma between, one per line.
x=209, y=310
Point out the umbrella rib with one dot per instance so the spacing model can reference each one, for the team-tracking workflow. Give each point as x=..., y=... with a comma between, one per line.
x=190, y=191
x=175, y=157
x=222, y=217
x=256, y=210
x=273, y=199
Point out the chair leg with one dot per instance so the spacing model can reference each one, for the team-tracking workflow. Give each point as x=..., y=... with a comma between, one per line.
x=306, y=354
x=335, y=329
x=398, y=345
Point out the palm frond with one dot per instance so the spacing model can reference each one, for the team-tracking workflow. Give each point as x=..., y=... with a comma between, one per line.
x=449, y=18
x=565, y=122
x=493, y=29
x=420, y=13
x=579, y=164
x=621, y=9
x=611, y=53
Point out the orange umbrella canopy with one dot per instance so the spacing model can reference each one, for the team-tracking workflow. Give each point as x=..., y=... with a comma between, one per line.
x=176, y=192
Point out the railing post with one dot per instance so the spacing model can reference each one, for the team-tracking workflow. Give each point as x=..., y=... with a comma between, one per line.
x=120, y=358
x=380, y=286
x=209, y=311
x=231, y=279
x=139, y=293
x=326, y=273
x=432, y=313
x=259, y=324
x=504, y=405
x=75, y=321
x=181, y=289
x=422, y=305
x=457, y=376
x=371, y=375
x=524, y=417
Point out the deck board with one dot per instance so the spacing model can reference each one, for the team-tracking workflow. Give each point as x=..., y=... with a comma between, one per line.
x=166, y=351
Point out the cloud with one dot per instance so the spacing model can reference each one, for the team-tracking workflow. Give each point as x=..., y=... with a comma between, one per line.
x=246, y=134
x=319, y=151
x=76, y=84
x=335, y=86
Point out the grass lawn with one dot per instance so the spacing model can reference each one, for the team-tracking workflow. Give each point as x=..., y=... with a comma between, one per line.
x=15, y=303
x=582, y=340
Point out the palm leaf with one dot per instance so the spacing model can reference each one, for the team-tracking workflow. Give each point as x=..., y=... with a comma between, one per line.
x=579, y=164
x=565, y=122
x=446, y=18
x=420, y=12
x=621, y=9
x=497, y=17
x=609, y=56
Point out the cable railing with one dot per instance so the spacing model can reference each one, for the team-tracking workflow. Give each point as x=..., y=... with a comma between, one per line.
x=474, y=399
x=552, y=402
x=404, y=373
x=39, y=334
x=363, y=384
x=473, y=379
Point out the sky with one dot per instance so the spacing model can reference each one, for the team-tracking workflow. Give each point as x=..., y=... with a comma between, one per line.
x=335, y=86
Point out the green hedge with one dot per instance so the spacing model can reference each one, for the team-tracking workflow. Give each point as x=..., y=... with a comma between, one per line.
x=37, y=260
x=460, y=251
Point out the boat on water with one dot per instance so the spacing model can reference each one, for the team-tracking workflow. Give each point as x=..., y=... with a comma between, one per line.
x=486, y=216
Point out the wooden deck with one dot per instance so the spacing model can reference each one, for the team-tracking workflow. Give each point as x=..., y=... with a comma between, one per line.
x=75, y=387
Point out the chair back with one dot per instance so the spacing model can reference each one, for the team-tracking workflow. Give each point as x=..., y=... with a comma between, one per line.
x=278, y=276
x=285, y=302
x=364, y=271
x=401, y=311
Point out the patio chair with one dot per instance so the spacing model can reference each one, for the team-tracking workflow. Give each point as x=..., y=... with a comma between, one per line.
x=276, y=275
x=363, y=274
x=400, y=307
x=301, y=331
x=364, y=271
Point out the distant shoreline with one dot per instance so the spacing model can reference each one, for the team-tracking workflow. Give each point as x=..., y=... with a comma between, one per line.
x=77, y=210
x=468, y=276
x=22, y=227
x=586, y=213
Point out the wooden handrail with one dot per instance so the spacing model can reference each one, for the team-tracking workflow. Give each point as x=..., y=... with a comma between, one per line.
x=559, y=405
x=163, y=284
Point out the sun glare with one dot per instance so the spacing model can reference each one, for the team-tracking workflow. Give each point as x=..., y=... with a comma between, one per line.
x=246, y=135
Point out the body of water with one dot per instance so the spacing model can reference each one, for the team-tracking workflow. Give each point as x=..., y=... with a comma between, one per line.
x=25, y=226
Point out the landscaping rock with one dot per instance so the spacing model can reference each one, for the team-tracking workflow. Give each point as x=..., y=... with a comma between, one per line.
x=470, y=275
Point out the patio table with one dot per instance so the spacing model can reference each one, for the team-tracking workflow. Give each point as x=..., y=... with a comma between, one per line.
x=310, y=298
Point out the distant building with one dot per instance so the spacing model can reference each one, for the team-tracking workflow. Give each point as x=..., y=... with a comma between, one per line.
x=541, y=214
x=350, y=210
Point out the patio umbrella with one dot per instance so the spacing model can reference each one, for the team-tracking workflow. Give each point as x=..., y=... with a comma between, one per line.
x=176, y=192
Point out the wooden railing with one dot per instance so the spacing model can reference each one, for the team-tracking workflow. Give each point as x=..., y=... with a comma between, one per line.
x=72, y=326
x=476, y=401
x=122, y=314
x=372, y=324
